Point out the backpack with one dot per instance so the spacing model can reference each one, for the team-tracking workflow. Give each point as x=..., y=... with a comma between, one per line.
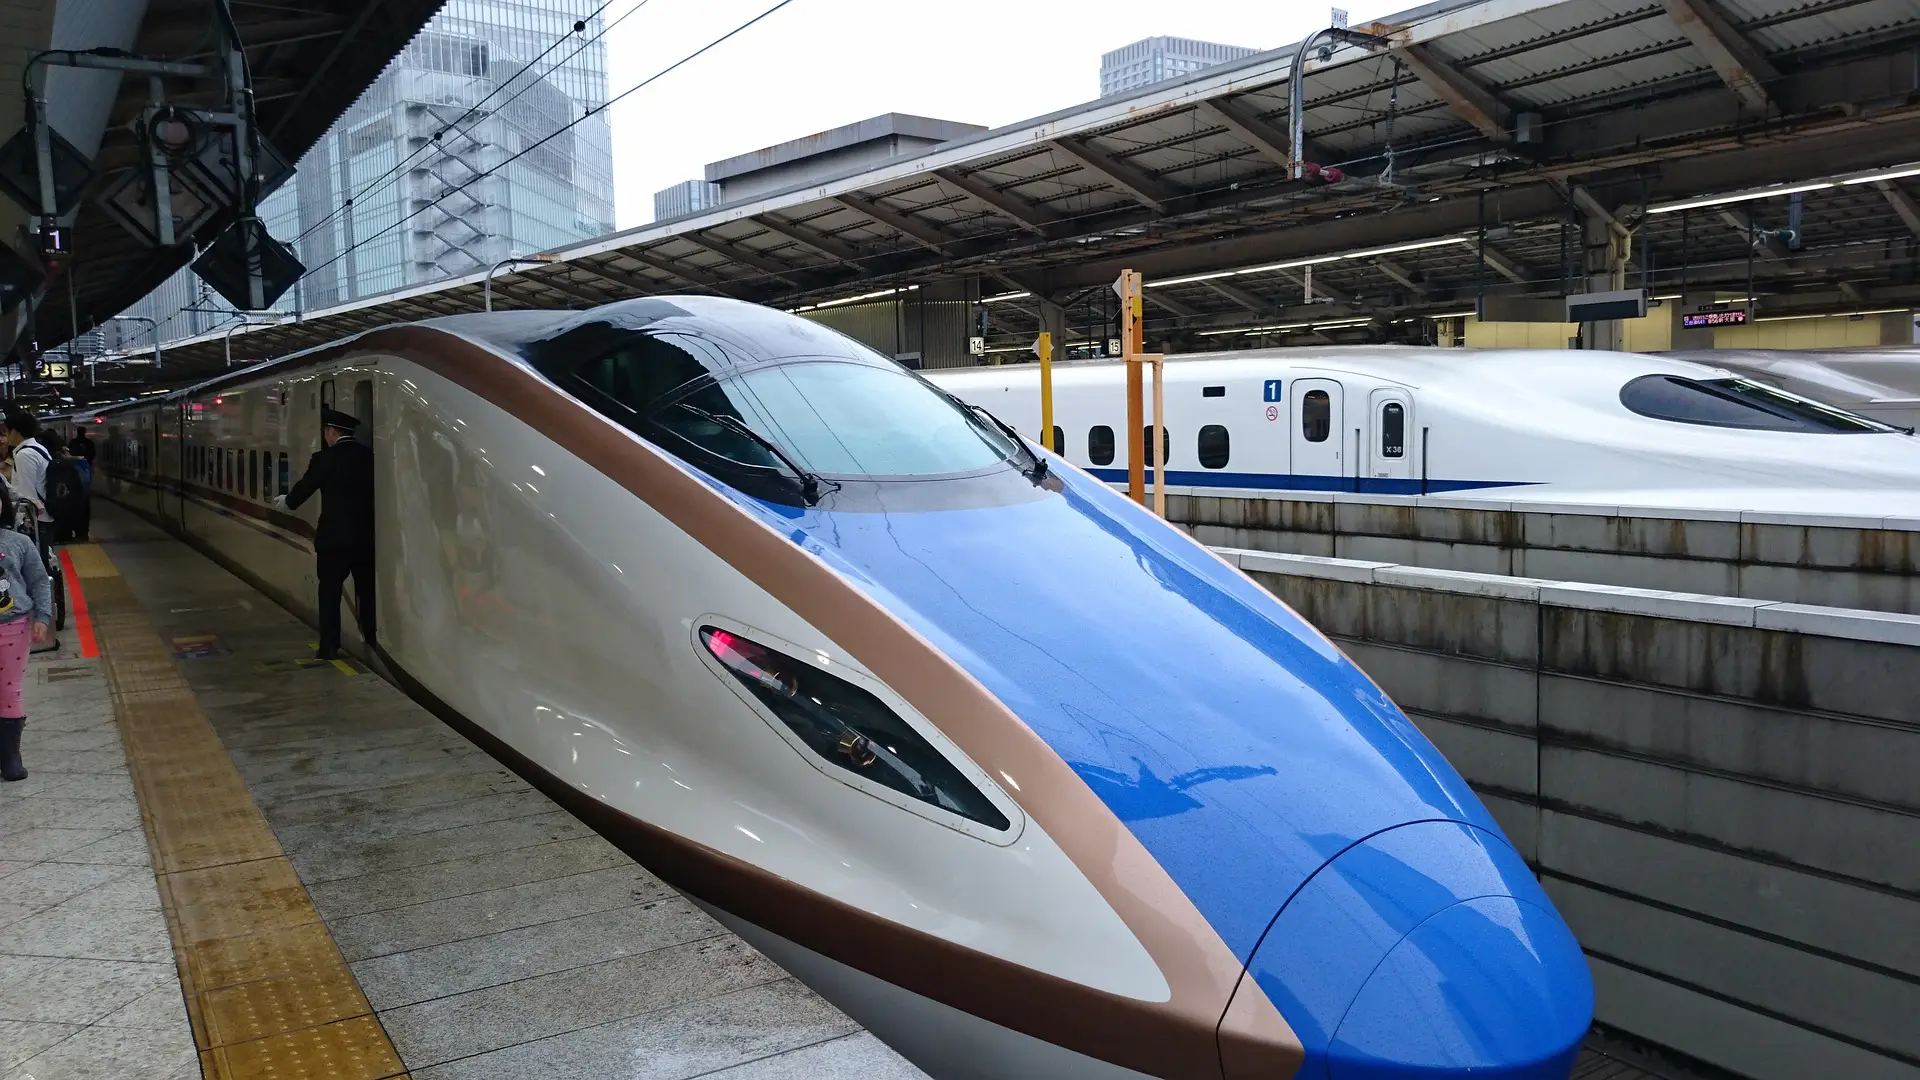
x=66, y=491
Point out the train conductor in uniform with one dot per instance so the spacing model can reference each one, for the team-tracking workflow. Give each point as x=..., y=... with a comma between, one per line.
x=342, y=472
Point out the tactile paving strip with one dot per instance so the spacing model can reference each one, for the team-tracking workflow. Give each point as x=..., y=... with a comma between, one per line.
x=268, y=993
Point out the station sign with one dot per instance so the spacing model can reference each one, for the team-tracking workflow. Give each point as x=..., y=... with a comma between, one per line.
x=52, y=370
x=1702, y=319
x=977, y=346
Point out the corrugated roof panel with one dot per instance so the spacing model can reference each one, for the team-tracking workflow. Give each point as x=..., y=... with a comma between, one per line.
x=1827, y=26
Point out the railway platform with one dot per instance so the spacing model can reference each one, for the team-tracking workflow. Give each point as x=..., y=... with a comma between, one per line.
x=231, y=860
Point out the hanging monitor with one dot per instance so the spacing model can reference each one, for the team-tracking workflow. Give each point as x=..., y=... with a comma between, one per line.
x=224, y=266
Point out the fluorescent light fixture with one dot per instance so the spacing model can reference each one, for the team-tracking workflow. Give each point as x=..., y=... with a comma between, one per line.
x=1005, y=296
x=1740, y=197
x=1455, y=315
x=1191, y=278
x=1294, y=264
x=877, y=294
x=1282, y=328
x=1873, y=178
x=1836, y=315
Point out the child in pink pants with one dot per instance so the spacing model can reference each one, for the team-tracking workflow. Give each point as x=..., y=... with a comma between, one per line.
x=26, y=608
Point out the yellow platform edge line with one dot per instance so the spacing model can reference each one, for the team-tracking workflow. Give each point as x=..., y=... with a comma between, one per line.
x=90, y=561
x=268, y=993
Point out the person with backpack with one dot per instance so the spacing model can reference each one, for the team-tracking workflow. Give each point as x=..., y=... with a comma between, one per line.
x=67, y=489
x=30, y=461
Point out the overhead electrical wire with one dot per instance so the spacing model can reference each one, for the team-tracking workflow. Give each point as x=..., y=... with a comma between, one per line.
x=437, y=141
x=557, y=132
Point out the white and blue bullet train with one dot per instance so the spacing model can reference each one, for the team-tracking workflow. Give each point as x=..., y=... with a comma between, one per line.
x=1595, y=428
x=1019, y=776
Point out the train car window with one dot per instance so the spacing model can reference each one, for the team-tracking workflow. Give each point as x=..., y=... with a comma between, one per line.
x=285, y=486
x=838, y=419
x=326, y=394
x=647, y=368
x=1393, y=430
x=1166, y=445
x=1100, y=445
x=1059, y=441
x=1214, y=448
x=1213, y=391
x=253, y=474
x=849, y=727
x=1316, y=415
x=1738, y=403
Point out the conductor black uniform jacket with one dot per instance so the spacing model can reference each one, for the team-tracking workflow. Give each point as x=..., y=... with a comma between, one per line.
x=343, y=475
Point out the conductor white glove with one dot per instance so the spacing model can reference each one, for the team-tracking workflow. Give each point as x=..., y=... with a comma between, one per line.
x=280, y=503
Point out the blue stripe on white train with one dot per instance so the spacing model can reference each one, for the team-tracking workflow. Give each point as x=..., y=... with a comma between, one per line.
x=1611, y=429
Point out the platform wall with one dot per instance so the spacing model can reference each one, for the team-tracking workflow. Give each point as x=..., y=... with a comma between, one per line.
x=1721, y=795
x=1871, y=563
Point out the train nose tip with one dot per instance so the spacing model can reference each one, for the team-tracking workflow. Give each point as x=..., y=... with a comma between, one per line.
x=1492, y=987
x=1427, y=951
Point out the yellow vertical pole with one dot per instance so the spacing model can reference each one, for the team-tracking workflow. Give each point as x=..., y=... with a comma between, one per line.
x=1159, y=437
x=1128, y=288
x=1043, y=348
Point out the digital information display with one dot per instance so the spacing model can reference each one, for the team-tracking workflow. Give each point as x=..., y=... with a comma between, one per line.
x=1713, y=318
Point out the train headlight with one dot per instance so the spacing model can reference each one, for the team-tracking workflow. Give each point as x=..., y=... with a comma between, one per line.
x=850, y=727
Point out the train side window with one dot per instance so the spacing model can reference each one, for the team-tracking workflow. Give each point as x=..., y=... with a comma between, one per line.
x=253, y=474
x=1316, y=415
x=1214, y=446
x=285, y=487
x=1213, y=391
x=1166, y=445
x=326, y=394
x=1059, y=441
x=1100, y=445
x=1393, y=430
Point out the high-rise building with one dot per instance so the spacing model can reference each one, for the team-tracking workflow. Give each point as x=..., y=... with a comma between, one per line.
x=459, y=156
x=1157, y=59
x=683, y=198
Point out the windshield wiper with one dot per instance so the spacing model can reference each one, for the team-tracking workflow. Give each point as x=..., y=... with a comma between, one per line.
x=1039, y=470
x=809, y=483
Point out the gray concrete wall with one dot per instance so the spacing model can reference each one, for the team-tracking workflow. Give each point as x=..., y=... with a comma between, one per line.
x=1871, y=563
x=1722, y=795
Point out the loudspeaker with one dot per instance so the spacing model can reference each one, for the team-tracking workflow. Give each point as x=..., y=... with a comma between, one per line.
x=214, y=172
x=224, y=266
x=19, y=278
x=20, y=171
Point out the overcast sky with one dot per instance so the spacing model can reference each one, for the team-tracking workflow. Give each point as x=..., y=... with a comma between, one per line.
x=818, y=64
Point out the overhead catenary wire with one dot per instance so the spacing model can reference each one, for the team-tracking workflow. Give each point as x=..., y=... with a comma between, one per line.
x=437, y=141
x=557, y=132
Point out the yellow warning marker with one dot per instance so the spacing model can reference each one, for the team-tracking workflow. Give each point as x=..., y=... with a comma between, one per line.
x=268, y=993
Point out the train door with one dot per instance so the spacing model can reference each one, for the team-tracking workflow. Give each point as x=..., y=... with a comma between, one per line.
x=177, y=461
x=1390, y=453
x=363, y=411
x=1319, y=418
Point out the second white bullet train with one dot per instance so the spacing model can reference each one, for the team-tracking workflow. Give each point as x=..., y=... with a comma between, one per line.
x=1598, y=428
x=1017, y=774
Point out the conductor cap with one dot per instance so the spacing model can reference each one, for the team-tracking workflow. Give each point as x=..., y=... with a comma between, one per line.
x=334, y=418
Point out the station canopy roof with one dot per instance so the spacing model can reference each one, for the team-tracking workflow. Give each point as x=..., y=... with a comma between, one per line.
x=1533, y=118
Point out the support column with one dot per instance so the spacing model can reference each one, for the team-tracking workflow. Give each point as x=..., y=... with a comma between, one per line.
x=1606, y=245
x=1053, y=320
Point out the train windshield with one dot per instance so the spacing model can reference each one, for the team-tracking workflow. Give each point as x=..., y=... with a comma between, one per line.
x=836, y=419
x=1738, y=403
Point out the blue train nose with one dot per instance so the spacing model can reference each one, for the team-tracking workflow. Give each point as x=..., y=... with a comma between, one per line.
x=1427, y=951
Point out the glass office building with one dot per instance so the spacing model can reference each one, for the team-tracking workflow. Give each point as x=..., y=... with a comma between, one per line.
x=1157, y=59
x=506, y=176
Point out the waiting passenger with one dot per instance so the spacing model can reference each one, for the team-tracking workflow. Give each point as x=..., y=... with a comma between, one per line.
x=68, y=502
x=26, y=604
x=81, y=446
x=342, y=472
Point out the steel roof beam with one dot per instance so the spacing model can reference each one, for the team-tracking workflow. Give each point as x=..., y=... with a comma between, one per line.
x=734, y=252
x=1505, y=266
x=684, y=273
x=837, y=250
x=1902, y=204
x=1468, y=99
x=917, y=231
x=1742, y=67
x=1174, y=306
x=1032, y=218
x=1135, y=182
x=615, y=276
x=1765, y=244
x=1239, y=296
x=1402, y=275
x=556, y=280
x=1319, y=289
x=1251, y=129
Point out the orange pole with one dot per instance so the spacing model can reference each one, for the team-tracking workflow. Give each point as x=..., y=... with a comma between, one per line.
x=1128, y=287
